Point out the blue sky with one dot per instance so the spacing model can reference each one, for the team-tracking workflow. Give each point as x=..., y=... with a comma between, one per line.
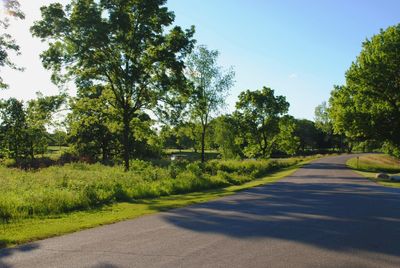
x=299, y=48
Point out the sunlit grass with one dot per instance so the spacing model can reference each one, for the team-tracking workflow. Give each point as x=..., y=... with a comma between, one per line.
x=77, y=187
x=375, y=163
x=369, y=165
x=372, y=176
x=54, y=152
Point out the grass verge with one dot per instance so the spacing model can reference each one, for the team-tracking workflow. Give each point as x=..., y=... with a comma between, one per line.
x=375, y=163
x=31, y=229
x=369, y=165
x=371, y=176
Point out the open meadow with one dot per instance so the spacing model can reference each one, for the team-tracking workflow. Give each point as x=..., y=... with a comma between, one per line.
x=80, y=186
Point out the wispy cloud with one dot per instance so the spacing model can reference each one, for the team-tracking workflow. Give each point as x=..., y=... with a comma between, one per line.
x=293, y=76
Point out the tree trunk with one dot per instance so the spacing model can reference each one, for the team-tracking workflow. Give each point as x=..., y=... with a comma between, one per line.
x=264, y=152
x=32, y=152
x=125, y=139
x=203, y=138
x=104, y=151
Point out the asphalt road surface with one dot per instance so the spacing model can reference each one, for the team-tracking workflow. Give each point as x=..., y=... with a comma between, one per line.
x=324, y=215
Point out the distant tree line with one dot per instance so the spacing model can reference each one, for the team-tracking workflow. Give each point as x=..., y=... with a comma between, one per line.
x=259, y=128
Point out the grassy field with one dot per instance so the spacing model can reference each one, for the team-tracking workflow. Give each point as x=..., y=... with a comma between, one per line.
x=59, y=200
x=77, y=186
x=370, y=165
x=375, y=163
x=54, y=152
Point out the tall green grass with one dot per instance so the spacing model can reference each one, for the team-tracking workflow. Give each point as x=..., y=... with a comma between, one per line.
x=73, y=187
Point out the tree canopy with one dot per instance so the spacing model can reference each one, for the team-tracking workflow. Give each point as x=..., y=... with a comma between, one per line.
x=260, y=113
x=368, y=106
x=130, y=46
x=23, y=127
x=210, y=85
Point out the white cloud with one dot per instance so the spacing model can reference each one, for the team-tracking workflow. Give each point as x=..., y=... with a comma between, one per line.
x=293, y=76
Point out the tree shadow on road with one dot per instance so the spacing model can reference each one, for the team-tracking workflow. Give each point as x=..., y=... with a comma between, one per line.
x=105, y=265
x=333, y=216
x=325, y=166
x=7, y=252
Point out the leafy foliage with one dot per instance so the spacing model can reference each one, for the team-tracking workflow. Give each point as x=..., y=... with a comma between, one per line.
x=260, y=113
x=92, y=127
x=118, y=44
x=322, y=118
x=310, y=137
x=226, y=130
x=210, y=86
x=23, y=128
x=368, y=106
x=287, y=141
x=331, y=137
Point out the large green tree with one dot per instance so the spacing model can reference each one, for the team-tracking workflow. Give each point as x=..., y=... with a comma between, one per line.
x=129, y=45
x=39, y=116
x=210, y=85
x=368, y=106
x=287, y=142
x=260, y=113
x=7, y=43
x=226, y=129
x=13, y=134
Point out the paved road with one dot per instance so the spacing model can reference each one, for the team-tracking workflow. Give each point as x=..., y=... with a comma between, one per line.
x=324, y=215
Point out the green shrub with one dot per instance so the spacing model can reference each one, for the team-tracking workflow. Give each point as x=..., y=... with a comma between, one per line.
x=9, y=162
x=196, y=168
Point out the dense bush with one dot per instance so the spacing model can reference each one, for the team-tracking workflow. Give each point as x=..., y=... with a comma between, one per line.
x=80, y=186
